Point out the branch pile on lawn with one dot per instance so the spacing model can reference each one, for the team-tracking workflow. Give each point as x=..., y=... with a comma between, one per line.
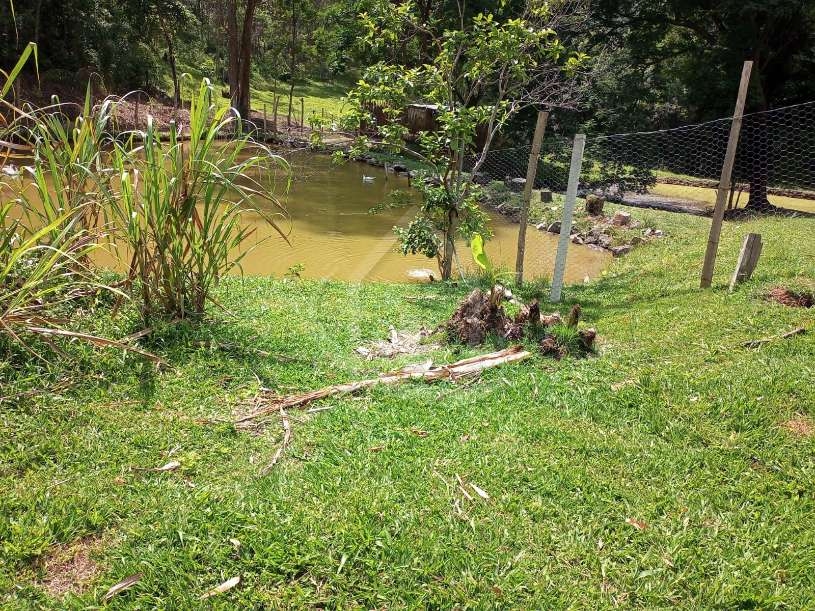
x=270, y=403
x=481, y=315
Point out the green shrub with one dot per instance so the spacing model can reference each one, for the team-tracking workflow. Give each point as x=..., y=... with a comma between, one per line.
x=176, y=205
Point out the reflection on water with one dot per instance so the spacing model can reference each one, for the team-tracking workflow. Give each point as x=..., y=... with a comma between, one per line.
x=334, y=236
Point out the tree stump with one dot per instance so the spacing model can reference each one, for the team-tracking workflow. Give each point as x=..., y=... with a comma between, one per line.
x=594, y=205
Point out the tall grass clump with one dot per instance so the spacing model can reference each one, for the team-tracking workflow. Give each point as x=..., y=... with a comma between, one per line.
x=69, y=158
x=176, y=203
x=40, y=270
x=41, y=255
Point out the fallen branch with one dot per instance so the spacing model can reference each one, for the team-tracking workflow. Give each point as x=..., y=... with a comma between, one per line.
x=422, y=371
x=286, y=440
x=100, y=342
x=760, y=342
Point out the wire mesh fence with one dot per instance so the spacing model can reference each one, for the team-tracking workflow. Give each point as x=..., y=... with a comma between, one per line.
x=678, y=169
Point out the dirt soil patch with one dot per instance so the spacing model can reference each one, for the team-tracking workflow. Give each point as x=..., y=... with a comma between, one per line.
x=792, y=299
x=800, y=426
x=70, y=568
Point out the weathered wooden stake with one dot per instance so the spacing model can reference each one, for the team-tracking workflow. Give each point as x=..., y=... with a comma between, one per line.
x=725, y=180
x=748, y=259
x=568, y=213
x=274, y=113
x=302, y=113
x=531, y=173
x=265, y=125
x=136, y=113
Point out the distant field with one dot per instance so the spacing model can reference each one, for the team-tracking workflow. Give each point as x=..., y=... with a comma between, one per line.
x=317, y=96
x=707, y=197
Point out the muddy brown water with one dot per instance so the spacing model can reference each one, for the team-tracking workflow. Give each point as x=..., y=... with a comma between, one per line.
x=332, y=233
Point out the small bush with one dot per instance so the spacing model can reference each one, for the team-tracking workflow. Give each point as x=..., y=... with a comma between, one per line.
x=177, y=205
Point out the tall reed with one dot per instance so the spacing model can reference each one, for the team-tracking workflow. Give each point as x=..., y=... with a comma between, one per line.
x=176, y=204
x=40, y=269
x=41, y=254
x=69, y=158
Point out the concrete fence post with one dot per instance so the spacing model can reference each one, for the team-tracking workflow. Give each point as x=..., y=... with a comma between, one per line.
x=568, y=215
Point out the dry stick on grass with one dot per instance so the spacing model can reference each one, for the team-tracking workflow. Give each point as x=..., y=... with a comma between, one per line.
x=97, y=341
x=286, y=440
x=760, y=342
x=415, y=372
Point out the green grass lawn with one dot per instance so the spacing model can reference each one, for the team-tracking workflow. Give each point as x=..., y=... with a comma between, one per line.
x=707, y=197
x=318, y=97
x=657, y=474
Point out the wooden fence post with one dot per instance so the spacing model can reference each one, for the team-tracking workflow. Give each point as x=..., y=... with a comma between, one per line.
x=748, y=259
x=274, y=113
x=531, y=173
x=302, y=113
x=265, y=125
x=725, y=180
x=568, y=213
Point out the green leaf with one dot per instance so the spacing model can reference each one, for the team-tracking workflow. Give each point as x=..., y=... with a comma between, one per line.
x=479, y=255
x=30, y=49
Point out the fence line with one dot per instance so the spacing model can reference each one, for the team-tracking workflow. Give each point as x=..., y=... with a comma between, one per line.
x=775, y=157
x=677, y=169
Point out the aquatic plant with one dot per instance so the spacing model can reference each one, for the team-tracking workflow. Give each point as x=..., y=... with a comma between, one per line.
x=176, y=204
x=43, y=248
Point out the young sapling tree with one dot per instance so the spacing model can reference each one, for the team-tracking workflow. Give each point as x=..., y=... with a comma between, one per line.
x=482, y=74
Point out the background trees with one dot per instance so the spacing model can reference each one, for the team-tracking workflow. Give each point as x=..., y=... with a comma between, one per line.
x=478, y=72
x=656, y=64
x=661, y=62
x=668, y=62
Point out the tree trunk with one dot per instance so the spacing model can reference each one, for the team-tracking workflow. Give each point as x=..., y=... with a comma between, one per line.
x=242, y=104
x=449, y=245
x=232, y=48
x=757, y=160
x=168, y=37
x=292, y=60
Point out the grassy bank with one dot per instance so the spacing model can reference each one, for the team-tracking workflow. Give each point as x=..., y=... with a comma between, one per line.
x=660, y=473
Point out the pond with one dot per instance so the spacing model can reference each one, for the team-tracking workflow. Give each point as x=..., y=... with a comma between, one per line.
x=333, y=234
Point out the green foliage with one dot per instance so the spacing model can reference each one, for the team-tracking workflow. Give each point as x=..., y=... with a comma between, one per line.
x=478, y=252
x=419, y=237
x=30, y=52
x=482, y=72
x=69, y=159
x=177, y=206
x=41, y=267
x=43, y=245
x=616, y=178
x=567, y=339
x=668, y=62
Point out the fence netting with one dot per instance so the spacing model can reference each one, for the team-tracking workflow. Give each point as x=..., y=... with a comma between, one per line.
x=679, y=168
